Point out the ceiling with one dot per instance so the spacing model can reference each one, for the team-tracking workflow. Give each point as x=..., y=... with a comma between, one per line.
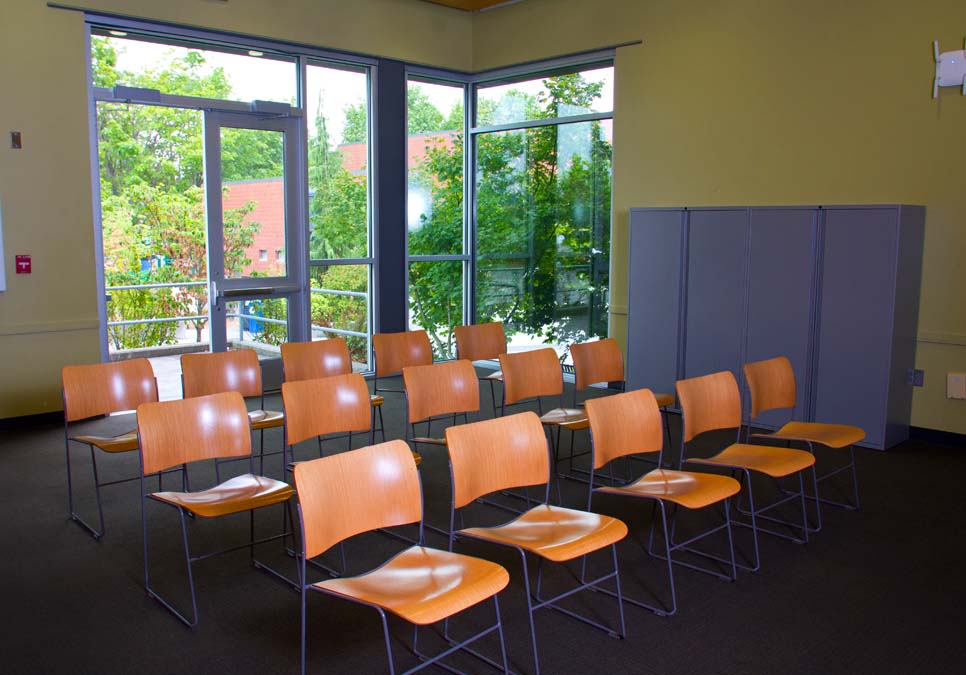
x=472, y=5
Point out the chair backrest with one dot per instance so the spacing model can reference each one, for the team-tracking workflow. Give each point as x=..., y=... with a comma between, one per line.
x=624, y=424
x=772, y=384
x=497, y=454
x=312, y=360
x=530, y=374
x=103, y=388
x=395, y=351
x=191, y=429
x=441, y=389
x=357, y=491
x=217, y=372
x=709, y=402
x=327, y=405
x=598, y=361
x=480, y=341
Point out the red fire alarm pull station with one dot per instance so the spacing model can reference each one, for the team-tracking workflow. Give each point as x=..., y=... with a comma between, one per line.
x=23, y=264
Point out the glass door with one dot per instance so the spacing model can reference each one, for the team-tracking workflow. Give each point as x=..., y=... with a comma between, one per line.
x=254, y=218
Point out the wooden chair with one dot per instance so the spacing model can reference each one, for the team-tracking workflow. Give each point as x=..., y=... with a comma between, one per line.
x=535, y=374
x=437, y=391
x=627, y=424
x=482, y=342
x=713, y=402
x=510, y=452
x=324, y=358
x=772, y=385
x=601, y=361
x=330, y=405
x=395, y=351
x=377, y=487
x=179, y=432
x=239, y=370
x=102, y=389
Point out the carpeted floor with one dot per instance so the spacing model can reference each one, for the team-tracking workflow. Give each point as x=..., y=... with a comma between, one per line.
x=880, y=590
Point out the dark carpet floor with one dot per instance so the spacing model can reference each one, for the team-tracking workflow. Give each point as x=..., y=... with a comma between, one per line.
x=881, y=590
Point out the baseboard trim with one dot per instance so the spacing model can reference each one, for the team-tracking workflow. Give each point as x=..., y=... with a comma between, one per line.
x=31, y=421
x=937, y=436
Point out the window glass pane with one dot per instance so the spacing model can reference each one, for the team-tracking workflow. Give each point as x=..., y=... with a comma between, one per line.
x=436, y=302
x=340, y=308
x=197, y=70
x=543, y=232
x=337, y=105
x=153, y=228
x=253, y=202
x=589, y=91
x=260, y=324
x=435, y=168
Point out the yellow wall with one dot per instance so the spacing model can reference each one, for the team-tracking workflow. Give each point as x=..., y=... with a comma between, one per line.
x=782, y=102
x=725, y=103
x=49, y=318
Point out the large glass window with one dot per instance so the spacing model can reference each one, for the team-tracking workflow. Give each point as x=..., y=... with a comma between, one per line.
x=337, y=106
x=438, y=254
x=543, y=208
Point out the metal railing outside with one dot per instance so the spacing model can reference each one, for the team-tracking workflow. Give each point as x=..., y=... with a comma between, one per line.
x=239, y=315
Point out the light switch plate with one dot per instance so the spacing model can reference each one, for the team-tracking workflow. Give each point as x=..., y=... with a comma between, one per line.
x=956, y=385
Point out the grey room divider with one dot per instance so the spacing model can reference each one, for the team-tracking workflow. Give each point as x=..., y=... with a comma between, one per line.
x=833, y=288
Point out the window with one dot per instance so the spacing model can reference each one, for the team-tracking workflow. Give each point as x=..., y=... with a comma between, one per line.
x=280, y=255
x=340, y=271
x=262, y=255
x=438, y=255
x=543, y=198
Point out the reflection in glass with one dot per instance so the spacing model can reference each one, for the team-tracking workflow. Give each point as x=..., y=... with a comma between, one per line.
x=436, y=302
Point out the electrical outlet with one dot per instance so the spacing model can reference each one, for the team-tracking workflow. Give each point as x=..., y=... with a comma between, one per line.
x=956, y=385
x=918, y=377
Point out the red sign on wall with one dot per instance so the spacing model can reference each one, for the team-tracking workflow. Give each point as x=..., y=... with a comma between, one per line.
x=23, y=264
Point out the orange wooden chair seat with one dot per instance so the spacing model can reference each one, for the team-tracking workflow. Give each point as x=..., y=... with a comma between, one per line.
x=664, y=400
x=687, y=488
x=424, y=585
x=570, y=418
x=496, y=376
x=776, y=462
x=241, y=493
x=120, y=443
x=376, y=399
x=266, y=419
x=832, y=435
x=554, y=532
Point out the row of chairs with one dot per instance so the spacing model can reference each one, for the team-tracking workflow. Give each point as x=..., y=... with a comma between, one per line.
x=102, y=389
x=621, y=425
